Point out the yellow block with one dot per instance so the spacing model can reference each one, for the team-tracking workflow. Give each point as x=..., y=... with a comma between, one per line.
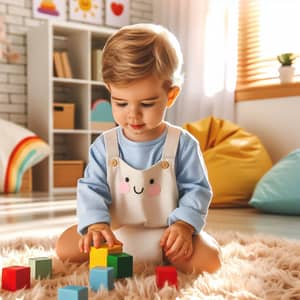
x=98, y=256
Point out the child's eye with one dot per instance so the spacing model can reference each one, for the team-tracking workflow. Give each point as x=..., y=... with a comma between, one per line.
x=147, y=104
x=121, y=104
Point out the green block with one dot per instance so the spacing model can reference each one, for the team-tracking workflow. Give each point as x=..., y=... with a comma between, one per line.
x=41, y=267
x=122, y=264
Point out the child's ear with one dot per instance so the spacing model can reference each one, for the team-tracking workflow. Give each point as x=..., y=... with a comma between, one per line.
x=172, y=95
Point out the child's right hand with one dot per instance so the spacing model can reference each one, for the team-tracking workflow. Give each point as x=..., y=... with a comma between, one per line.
x=96, y=235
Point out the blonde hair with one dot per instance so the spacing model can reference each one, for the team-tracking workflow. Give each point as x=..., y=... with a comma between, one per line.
x=140, y=50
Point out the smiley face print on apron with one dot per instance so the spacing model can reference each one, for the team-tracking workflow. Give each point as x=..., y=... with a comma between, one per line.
x=142, y=197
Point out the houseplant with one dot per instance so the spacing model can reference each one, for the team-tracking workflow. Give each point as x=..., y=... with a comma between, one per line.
x=286, y=70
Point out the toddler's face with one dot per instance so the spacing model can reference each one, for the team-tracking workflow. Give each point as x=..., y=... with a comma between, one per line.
x=139, y=108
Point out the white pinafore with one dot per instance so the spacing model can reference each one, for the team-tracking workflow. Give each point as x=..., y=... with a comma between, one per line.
x=142, y=200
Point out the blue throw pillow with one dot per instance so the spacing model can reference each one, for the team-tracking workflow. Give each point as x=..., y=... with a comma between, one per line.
x=278, y=191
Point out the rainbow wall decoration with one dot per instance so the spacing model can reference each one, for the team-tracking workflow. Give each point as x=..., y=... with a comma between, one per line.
x=20, y=149
x=26, y=153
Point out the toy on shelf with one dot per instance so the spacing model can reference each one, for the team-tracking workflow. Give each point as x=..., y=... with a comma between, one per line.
x=73, y=292
x=166, y=274
x=15, y=278
x=101, y=115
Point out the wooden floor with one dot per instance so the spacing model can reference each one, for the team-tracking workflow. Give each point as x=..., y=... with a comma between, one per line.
x=43, y=215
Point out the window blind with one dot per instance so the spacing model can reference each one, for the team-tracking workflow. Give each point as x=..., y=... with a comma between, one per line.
x=267, y=28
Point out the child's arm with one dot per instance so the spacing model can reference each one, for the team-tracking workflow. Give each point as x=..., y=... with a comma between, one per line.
x=193, y=186
x=176, y=241
x=96, y=235
x=93, y=193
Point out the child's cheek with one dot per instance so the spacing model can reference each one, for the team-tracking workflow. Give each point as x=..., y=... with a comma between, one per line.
x=154, y=190
x=124, y=187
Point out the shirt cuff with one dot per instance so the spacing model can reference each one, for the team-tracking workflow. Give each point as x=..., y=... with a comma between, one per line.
x=83, y=226
x=189, y=216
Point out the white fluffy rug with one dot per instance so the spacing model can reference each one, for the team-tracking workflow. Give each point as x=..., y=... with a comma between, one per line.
x=254, y=267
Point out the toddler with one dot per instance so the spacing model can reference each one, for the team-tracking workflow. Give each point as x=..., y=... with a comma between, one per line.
x=146, y=184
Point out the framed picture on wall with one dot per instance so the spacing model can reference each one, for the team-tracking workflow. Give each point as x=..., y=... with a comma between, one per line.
x=49, y=9
x=117, y=12
x=89, y=11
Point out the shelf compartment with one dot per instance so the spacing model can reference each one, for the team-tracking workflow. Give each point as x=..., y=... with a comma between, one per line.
x=67, y=172
x=76, y=43
x=64, y=92
x=70, y=146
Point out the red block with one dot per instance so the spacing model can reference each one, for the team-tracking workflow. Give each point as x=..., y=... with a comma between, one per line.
x=15, y=278
x=166, y=274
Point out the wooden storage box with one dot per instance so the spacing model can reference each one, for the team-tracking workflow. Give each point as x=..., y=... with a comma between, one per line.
x=63, y=115
x=67, y=172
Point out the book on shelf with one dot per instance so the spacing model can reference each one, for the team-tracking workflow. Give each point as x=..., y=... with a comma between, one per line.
x=66, y=64
x=62, y=66
x=97, y=64
x=58, y=66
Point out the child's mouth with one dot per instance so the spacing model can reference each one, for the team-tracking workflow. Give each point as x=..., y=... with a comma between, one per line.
x=140, y=126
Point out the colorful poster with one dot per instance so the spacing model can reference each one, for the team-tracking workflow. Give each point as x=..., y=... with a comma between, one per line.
x=89, y=11
x=117, y=12
x=49, y=9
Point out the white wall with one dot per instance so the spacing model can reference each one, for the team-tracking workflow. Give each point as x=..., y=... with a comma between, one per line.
x=275, y=121
x=13, y=79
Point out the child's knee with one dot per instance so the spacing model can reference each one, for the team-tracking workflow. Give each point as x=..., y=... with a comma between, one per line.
x=215, y=260
x=67, y=246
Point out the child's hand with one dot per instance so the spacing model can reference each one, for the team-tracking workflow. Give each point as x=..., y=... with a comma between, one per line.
x=97, y=234
x=177, y=241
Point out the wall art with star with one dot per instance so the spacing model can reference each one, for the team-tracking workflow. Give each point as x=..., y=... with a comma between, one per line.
x=89, y=11
x=117, y=12
x=49, y=9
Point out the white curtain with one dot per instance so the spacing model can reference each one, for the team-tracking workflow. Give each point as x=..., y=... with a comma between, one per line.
x=207, y=32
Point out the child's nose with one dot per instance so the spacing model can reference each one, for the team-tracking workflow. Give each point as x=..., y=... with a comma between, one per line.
x=134, y=111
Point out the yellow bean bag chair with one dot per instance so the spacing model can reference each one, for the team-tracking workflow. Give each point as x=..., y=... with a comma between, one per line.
x=235, y=159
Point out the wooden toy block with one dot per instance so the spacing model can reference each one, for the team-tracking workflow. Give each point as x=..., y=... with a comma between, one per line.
x=98, y=256
x=166, y=274
x=122, y=264
x=73, y=292
x=15, y=278
x=41, y=267
x=102, y=277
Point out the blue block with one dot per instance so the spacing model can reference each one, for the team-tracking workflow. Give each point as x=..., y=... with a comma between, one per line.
x=73, y=292
x=102, y=277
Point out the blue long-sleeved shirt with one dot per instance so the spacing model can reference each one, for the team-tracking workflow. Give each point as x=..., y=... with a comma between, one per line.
x=93, y=193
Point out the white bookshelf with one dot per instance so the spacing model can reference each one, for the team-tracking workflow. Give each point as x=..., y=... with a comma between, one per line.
x=44, y=89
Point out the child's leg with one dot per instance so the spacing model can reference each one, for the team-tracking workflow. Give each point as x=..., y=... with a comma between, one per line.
x=206, y=256
x=67, y=246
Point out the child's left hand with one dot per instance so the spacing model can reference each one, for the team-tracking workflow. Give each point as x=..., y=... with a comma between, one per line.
x=177, y=241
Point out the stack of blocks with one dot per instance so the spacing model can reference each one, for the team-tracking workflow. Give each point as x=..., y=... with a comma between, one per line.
x=19, y=277
x=108, y=264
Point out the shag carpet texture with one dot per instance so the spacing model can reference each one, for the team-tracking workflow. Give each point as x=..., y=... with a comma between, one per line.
x=254, y=267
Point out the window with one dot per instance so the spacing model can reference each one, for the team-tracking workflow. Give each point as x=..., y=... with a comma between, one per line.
x=267, y=28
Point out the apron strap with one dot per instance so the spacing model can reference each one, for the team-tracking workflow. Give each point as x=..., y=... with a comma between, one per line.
x=111, y=144
x=171, y=143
